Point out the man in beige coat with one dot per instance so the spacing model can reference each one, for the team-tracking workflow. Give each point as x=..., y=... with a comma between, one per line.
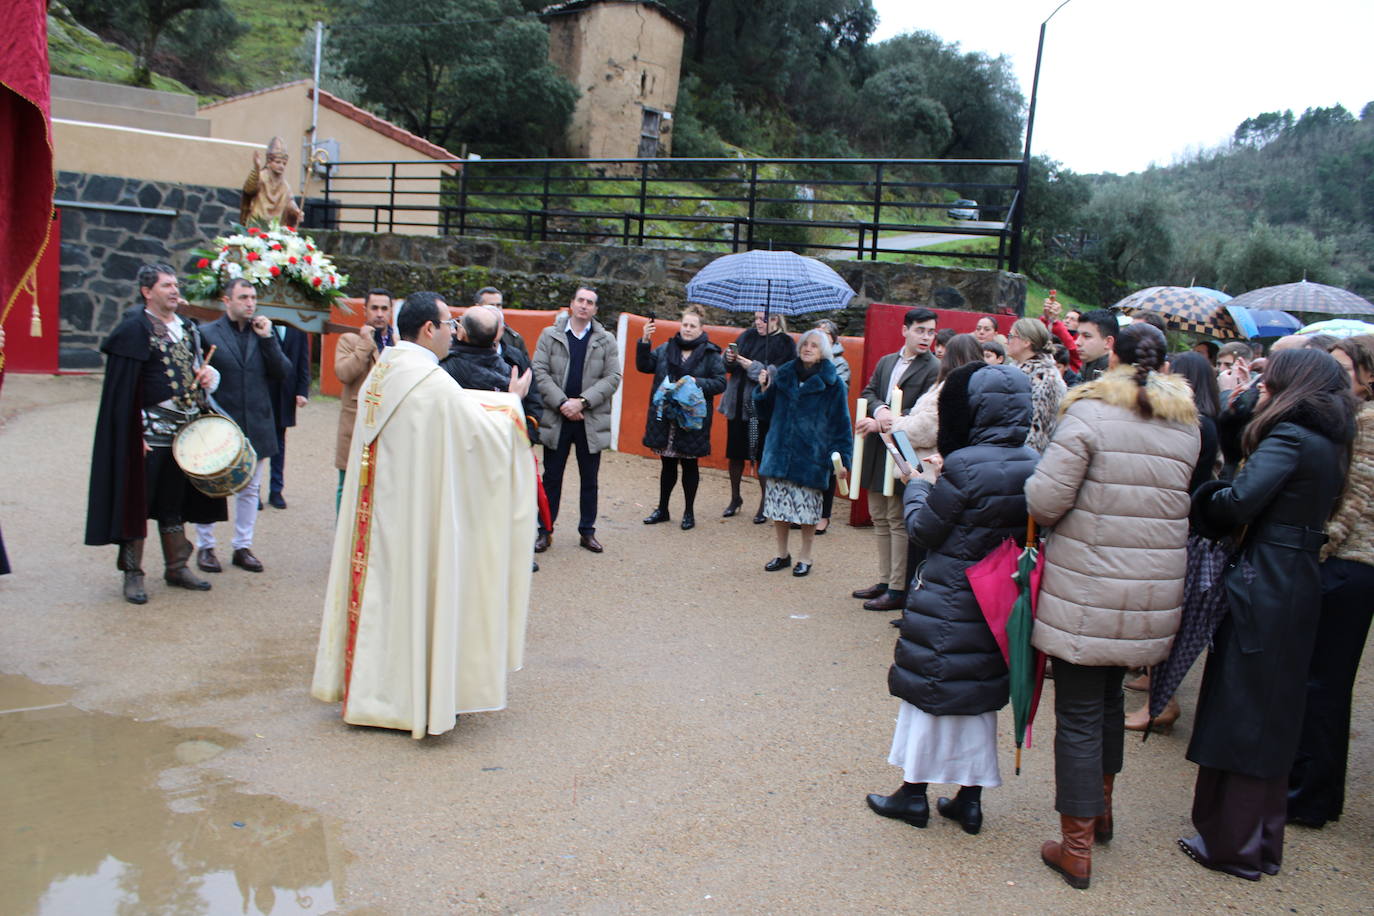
x=354, y=357
x=577, y=370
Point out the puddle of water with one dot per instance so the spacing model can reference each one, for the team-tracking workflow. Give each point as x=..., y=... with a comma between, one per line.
x=101, y=814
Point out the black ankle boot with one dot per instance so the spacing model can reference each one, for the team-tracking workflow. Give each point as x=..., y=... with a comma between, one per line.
x=658, y=515
x=965, y=808
x=906, y=804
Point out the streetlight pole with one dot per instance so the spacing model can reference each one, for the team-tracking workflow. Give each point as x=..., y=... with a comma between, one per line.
x=1023, y=174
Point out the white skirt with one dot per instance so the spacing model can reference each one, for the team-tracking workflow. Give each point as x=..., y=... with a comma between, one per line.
x=950, y=750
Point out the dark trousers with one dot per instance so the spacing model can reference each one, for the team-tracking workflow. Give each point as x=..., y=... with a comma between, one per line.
x=1239, y=820
x=572, y=437
x=277, y=463
x=1316, y=785
x=1089, y=736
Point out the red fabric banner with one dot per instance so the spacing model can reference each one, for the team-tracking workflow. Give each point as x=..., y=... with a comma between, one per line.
x=26, y=158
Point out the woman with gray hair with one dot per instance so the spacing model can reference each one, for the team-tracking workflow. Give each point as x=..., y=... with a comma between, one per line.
x=1032, y=348
x=810, y=423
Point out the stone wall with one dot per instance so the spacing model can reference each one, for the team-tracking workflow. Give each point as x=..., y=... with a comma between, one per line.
x=540, y=275
x=103, y=249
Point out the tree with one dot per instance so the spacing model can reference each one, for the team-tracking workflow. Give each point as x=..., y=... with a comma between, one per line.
x=1268, y=256
x=205, y=30
x=471, y=71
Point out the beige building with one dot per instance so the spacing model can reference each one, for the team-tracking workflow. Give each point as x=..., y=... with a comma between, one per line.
x=346, y=133
x=624, y=57
x=109, y=129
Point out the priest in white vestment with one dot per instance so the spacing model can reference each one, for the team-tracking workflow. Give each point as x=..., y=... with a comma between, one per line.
x=429, y=582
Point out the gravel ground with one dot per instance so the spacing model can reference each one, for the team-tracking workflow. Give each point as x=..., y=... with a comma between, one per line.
x=690, y=734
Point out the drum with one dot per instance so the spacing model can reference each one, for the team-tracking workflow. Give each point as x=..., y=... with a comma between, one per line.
x=215, y=454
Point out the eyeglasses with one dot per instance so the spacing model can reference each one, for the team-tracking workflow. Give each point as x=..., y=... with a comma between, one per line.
x=451, y=324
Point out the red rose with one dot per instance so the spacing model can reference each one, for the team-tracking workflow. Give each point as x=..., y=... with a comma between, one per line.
x=309, y=259
x=274, y=270
x=276, y=246
x=291, y=260
x=316, y=281
x=254, y=231
x=309, y=247
x=254, y=256
x=203, y=263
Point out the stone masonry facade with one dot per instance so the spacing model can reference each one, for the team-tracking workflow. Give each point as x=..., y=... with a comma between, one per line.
x=544, y=275
x=103, y=249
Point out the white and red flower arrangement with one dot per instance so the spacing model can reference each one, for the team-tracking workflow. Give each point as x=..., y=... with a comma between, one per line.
x=266, y=256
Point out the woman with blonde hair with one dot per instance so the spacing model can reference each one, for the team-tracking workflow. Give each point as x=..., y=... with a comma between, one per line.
x=687, y=358
x=1032, y=348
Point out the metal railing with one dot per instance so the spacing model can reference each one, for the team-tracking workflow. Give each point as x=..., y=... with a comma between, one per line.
x=856, y=207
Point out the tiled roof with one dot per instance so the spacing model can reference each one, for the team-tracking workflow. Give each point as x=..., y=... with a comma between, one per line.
x=353, y=113
x=573, y=6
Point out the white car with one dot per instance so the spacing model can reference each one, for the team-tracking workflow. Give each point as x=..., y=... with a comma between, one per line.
x=963, y=209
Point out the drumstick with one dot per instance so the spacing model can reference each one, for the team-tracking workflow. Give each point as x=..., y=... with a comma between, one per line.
x=860, y=413
x=888, y=466
x=840, y=482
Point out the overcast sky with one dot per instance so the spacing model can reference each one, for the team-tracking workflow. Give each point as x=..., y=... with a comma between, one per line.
x=1127, y=83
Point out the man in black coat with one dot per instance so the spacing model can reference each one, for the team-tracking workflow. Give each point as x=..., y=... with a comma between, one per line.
x=474, y=363
x=152, y=374
x=911, y=370
x=287, y=394
x=247, y=356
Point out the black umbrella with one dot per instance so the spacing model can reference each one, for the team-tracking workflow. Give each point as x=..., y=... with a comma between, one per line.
x=1204, y=606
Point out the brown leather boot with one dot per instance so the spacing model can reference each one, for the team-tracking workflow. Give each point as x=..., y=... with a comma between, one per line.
x=176, y=550
x=1102, y=827
x=130, y=562
x=1072, y=855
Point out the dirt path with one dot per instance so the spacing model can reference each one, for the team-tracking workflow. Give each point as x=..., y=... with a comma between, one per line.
x=690, y=733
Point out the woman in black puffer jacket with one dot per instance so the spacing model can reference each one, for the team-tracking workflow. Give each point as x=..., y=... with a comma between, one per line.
x=948, y=671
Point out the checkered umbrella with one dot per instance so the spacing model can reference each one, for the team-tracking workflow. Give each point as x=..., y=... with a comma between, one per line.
x=1184, y=309
x=1306, y=297
x=769, y=281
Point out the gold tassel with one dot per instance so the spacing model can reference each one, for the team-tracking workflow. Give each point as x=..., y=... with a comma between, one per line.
x=36, y=322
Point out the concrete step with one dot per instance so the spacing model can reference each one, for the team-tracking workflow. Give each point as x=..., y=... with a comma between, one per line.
x=96, y=113
x=178, y=103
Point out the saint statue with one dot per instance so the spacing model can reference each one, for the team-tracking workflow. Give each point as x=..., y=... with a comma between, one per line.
x=266, y=194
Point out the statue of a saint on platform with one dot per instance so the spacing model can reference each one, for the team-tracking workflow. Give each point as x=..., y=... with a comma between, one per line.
x=266, y=194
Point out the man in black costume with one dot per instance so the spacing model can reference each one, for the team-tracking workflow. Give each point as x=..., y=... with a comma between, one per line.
x=152, y=371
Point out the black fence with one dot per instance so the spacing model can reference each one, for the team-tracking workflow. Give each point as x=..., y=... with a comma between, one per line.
x=841, y=207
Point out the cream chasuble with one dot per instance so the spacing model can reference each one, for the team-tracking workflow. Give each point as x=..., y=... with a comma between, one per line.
x=429, y=581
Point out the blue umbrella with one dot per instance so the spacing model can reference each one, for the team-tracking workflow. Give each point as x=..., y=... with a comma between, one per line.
x=1263, y=322
x=1273, y=322
x=769, y=281
x=1339, y=327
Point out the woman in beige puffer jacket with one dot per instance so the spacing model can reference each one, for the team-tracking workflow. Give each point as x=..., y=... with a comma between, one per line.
x=1114, y=485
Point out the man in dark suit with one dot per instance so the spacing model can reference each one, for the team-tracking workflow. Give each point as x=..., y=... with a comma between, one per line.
x=287, y=394
x=911, y=370
x=247, y=355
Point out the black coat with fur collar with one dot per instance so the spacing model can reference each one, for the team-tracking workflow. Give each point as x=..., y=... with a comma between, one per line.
x=1250, y=707
x=947, y=661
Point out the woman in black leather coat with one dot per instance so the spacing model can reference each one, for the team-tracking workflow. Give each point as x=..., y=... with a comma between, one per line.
x=1251, y=703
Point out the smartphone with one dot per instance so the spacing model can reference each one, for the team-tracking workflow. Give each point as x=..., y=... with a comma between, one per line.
x=909, y=453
